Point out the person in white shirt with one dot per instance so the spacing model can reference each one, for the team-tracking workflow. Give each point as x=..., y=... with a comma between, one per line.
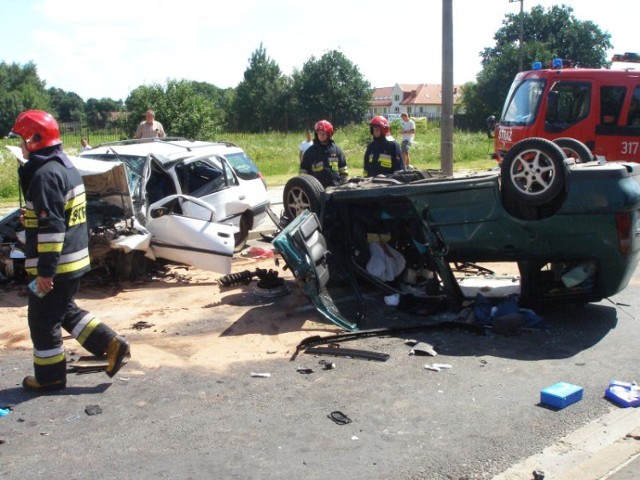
x=304, y=145
x=85, y=144
x=149, y=127
x=408, y=134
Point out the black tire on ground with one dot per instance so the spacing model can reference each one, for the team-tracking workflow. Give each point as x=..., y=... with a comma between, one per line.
x=573, y=148
x=301, y=193
x=533, y=172
x=240, y=238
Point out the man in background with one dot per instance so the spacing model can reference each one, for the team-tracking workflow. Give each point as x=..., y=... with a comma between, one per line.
x=304, y=145
x=150, y=127
x=408, y=134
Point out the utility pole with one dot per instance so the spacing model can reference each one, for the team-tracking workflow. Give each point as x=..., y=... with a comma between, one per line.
x=521, y=32
x=446, y=116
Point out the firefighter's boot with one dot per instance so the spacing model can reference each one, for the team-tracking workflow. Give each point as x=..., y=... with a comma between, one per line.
x=30, y=384
x=117, y=354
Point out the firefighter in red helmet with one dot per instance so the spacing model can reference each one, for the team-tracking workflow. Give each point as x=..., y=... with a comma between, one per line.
x=324, y=159
x=57, y=255
x=383, y=155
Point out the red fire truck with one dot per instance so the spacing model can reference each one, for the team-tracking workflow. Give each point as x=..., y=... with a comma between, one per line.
x=592, y=114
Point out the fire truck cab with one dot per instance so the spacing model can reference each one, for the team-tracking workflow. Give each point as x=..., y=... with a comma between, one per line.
x=575, y=107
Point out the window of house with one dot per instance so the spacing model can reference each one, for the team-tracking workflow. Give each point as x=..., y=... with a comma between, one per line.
x=409, y=110
x=421, y=109
x=397, y=98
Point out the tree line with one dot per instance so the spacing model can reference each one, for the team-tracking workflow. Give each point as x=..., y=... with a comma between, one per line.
x=329, y=87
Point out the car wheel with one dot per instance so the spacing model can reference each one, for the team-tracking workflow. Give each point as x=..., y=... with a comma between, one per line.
x=533, y=171
x=240, y=238
x=573, y=148
x=302, y=193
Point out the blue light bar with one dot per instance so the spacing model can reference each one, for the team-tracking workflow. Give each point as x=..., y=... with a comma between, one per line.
x=557, y=63
x=536, y=66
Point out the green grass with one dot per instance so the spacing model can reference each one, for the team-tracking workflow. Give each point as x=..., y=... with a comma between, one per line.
x=276, y=154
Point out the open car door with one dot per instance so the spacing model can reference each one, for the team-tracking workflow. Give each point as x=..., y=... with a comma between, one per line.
x=304, y=249
x=200, y=242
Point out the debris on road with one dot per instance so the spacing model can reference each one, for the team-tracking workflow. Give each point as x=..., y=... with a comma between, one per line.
x=624, y=394
x=436, y=367
x=560, y=395
x=423, y=348
x=92, y=410
x=339, y=417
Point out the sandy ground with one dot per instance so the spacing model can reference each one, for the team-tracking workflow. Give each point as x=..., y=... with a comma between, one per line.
x=188, y=318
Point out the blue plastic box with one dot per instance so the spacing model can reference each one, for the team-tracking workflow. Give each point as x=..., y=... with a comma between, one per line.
x=560, y=395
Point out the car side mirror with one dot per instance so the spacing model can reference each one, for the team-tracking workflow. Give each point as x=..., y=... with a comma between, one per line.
x=159, y=212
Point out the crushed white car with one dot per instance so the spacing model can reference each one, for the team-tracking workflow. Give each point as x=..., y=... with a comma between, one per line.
x=219, y=174
x=177, y=228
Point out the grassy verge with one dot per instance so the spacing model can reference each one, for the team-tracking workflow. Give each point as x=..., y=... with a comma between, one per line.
x=276, y=153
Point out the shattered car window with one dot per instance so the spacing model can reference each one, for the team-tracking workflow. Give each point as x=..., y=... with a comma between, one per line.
x=199, y=178
x=243, y=166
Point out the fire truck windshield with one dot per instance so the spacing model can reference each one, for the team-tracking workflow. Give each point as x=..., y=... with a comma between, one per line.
x=523, y=102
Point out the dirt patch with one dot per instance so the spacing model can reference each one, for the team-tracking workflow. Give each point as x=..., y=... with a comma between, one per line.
x=186, y=319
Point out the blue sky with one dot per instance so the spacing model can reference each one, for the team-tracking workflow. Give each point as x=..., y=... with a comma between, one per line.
x=108, y=49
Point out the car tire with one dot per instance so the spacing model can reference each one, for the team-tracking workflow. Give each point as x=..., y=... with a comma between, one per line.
x=533, y=172
x=301, y=193
x=240, y=238
x=573, y=148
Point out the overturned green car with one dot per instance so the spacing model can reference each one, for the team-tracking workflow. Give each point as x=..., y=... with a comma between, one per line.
x=572, y=229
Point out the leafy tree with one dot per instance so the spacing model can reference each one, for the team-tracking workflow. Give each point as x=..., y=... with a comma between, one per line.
x=67, y=106
x=99, y=112
x=20, y=89
x=331, y=88
x=183, y=108
x=261, y=99
x=554, y=33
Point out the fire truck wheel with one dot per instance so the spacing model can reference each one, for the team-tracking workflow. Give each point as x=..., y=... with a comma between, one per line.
x=533, y=172
x=573, y=148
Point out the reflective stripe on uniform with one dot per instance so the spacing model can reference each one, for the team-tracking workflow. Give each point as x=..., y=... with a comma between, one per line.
x=384, y=160
x=67, y=263
x=48, y=357
x=50, y=237
x=84, y=328
x=50, y=242
x=75, y=192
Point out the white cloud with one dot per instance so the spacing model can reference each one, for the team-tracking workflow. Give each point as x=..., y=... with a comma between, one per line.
x=108, y=50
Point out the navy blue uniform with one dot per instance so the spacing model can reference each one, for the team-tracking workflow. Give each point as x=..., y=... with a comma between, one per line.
x=57, y=246
x=382, y=156
x=325, y=162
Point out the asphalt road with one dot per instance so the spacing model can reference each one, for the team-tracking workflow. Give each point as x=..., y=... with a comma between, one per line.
x=474, y=420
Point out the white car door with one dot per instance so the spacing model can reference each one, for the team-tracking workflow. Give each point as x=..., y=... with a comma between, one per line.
x=200, y=242
x=183, y=229
x=211, y=179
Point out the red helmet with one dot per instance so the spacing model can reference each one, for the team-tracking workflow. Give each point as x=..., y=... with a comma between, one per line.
x=324, y=126
x=38, y=129
x=381, y=122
